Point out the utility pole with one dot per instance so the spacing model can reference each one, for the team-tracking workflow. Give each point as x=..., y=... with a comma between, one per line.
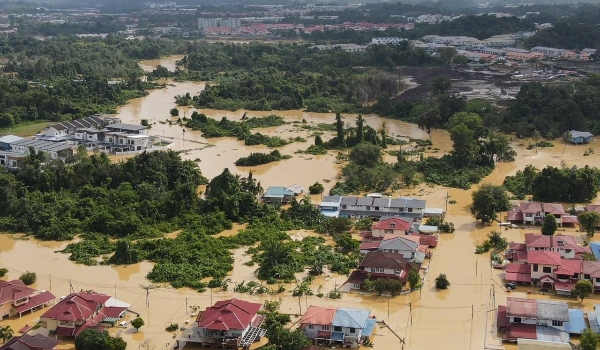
x=148, y=288
x=71, y=287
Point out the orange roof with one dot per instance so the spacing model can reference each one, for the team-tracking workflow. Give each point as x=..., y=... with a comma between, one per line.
x=318, y=315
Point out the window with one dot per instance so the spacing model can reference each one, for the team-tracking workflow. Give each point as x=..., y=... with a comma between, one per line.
x=397, y=272
x=410, y=210
x=597, y=280
x=568, y=251
x=535, y=267
x=557, y=323
x=376, y=208
x=388, y=231
x=310, y=326
x=325, y=328
x=368, y=207
x=344, y=206
x=352, y=330
x=586, y=276
x=356, y=286
x=547, y=269
x=337, y=329
x=517, y=320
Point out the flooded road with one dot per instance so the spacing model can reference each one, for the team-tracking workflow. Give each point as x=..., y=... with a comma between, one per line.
x=458, y=318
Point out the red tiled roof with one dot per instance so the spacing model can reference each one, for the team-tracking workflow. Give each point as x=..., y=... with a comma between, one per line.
x=318, y=315
x=357, y=277
x=35, y=301
x=595, y=208
x=559, y=241
x=519, y=307
x=229, y=314
x=369, y=245
x=569, y=219
x=76, y=306
x=543, y=257
x=533, y=240
x=428, y=240
x=517, y=246
x=502, y=320
x=113, y=311
x=522, y=255
x=514, y=215
x=572, y=265
x=554, y=208
x=520, y=330
x=564, y=286
x=517, y=277
x=65, y=331
x=591, y=268
x=14, y=290
x=392, y=224
x=530, y=207
x=518, y=268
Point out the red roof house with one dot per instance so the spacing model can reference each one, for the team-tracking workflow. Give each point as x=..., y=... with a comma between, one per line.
x=233, y=323
x=391, y=225
x=17, y=298
x=532, y=213
x=79, y=311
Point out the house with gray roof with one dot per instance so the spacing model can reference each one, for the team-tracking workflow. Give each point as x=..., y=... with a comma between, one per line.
x=6, y=141
x=278, y=194
x=580, y=137
x=377, y=207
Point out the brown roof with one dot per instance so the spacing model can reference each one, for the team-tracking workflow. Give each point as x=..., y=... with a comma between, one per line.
x=595, y=208
x=530, y=207
x=384, y=260
x=591, y=268
x=502, y=319
x=533, y=240
x=519, y=307
x=29, y=342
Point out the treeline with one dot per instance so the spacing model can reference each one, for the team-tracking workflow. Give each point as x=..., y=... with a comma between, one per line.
x=567, y=35
x=571, y=185
x=555, y=109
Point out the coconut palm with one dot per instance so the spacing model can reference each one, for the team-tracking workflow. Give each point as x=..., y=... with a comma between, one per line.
x=6, y=333
x=496, y=240
x=568, y=137
x=536, y=138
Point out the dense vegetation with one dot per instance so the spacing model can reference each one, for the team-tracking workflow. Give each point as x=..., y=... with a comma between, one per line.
x=261, y=158
x=264, y=77
x=572, y=185
x=555, y=109
x=94, y=339
x=567, y=35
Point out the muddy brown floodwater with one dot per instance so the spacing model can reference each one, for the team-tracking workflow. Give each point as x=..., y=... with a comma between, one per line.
x=461, y=317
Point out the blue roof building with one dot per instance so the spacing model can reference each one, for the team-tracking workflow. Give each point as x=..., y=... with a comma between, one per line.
x=347, y=328
x=580, y=137
x=278, y=194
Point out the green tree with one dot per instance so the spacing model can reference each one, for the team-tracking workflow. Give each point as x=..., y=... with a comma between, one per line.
x=174, y=112
x=582, y=289
x=414, y=280
x=339, y=128
x=550, y=225
x=94, y=339
x=429, y=120
x=3, y=271
x=318, y=141
x=360, y=128
x=28, y=277
x=441, y=282
x=366, y=155
x=487, y=201
x=137, y=323
x=497, y=241
x=588, y=340
x=6, y=333
x=588, y=221
x=124, y=253
x=439, y=85
x=536, y=138
x=316, y=188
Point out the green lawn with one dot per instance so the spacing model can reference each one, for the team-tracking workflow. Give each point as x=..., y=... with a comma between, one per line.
x=26, y=129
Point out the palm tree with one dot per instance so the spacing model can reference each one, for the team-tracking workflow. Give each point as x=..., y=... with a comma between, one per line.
x=6, y=333
x=568, y=137
x=536, y=138
x=496, y=240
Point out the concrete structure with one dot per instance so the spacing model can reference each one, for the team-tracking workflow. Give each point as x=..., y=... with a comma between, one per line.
x=231, y=23
x=342, y=327
x=388, y=40
x=16, y=298
x=6, y=141
x=80, y=311
x=54, y=150
x=372, y=206
x=228, y=324
x=548, y=51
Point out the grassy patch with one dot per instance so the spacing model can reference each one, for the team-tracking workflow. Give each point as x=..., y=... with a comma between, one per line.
x=26, y=129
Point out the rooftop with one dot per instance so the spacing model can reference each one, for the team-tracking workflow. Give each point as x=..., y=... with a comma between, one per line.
x=228, y=314
x=543, y=257
x=318, y=315
x=351, y=318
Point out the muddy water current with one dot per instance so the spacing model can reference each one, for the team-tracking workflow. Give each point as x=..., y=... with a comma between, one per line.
x=461, y=317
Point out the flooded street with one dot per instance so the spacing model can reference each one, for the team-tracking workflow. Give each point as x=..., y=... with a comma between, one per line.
x=461, y=317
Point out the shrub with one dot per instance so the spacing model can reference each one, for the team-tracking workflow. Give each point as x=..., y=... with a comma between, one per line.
x=441, y=282
x=174, y=112
x=316, y=188
x=172, y=327
x=28, y=278
x=3, y=272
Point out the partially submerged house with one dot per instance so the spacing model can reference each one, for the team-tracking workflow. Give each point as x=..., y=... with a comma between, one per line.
x=534, y=213
x=342, y=327
x=579, y=137
x=228, y=324
x=16, y=299
x=278, y=194
x=373, y=206
x=533, y=319
x=377, y=265
x=30, y=342
x=79, y=311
